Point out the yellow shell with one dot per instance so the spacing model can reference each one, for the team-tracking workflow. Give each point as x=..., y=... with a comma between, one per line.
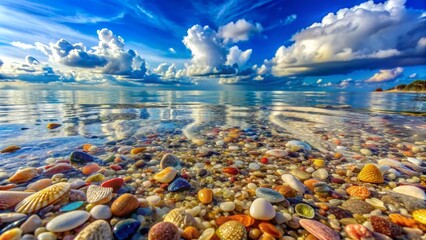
x=99, y=195
x=370, y=174
x=23, y=175
x=53, y=125
x=166, y=175
x=10, y=149
x=232, y=230
x=9, y=199
x=43, y=198
x=124, y=205
x=180, y=218
x=12, y=234
x=420, y=216
x=358, y=191
x=137, y=150
x=97, y=177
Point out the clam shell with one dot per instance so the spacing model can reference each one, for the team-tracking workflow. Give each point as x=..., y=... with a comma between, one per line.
x=411, y=191
x=43, y=198
x=97, y=230
x=9, y=199
x=124, y=205
x=163, y=231
x=305, y=210
x=319, y=230
x=166, y=175
x=294, y=183
x=232, y=230
x=23, y=175
x=40, y=184
x=180, y=218
x=98, y=195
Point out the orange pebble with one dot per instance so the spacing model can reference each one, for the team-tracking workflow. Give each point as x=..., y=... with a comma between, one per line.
x=190, y=233
x=338, y=155
x=245, y=220
x=270, y=229
x=285, y=190
x=137, y=150
x=408, y=153
x=310, y=183
x=205, y=195
x=86, y=147
x=90, y=168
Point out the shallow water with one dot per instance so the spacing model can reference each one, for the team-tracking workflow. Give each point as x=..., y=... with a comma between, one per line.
x=99, y=116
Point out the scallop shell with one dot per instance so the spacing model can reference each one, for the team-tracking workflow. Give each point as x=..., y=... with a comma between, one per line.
x=319, y=230
x=124, y=205
x=97, y=230
x=98, y=195
x=180, y=218
x=370, y=174
x=9, y=199
x=23, y=175
x=232, y=230
x=43, y=198
x=358, y=191
x=305, y=210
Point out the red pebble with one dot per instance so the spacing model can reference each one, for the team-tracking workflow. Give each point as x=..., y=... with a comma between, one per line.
x=264, y=160
x=185, y=175
x=230, y=170
x=115, y=167
x=164, y=185
x=114, y=183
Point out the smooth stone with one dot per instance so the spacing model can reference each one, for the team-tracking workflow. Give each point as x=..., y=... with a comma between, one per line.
x=294, y=183
x=81, y=157
x=31, y=224
x=166, y=175
x=67, y=221
x=71, y=206
x=227, y=206
x=11, y=217
x=254, y=166
x=357, y=206
x=13, y=225
x=101, y=212
x=46, y=236
x=153, y=200
x=299, y=174
x=320, y=174
x=125, y=228
x=170, y=160
x=366, y=152
x=144, y=211
x=415, y=161
x=270, y=195
x=179, y=184
x=411, y=191
x=277, y=153
x=262, y=209
x=28, y=237
x=298, y=145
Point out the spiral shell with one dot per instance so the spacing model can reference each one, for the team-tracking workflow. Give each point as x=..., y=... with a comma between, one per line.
x=124, y=205
x=43, y=198
x=23, y=175
x=358, y=191
x=370, y=174
x=232, y=230
x=98, y=195
x=180, y=218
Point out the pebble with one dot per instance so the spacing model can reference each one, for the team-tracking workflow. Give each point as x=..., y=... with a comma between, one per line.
x=67, y=221
x=46, y=236
x=254, y=166
x=298, y=145
x=411, y=191
x=321, y=173
x=293, y=183
x=227, y=206
x=366, y=152
x=124, y=229
x=153, y=200
x=31, y=224
x=262, y=209
x=277, y=153
x=101, y=212
x=270, y=195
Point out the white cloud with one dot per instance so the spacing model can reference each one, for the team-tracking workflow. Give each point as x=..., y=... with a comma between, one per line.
x=368, y=35
x=236, y=56
x=319, y=81
x=414, y=75
x=241, y=30
x=172, y=50
x=22, y=45
x=291, y=18
x=345, y=83
x=386, y=75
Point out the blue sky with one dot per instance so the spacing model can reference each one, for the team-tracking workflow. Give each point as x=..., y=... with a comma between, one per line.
x=334, y=45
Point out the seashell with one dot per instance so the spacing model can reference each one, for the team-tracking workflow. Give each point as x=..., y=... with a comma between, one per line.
x=277, y=153
x=114, y=183
x=67, y=221
x=208, y=234
x=53, y=125
x=358, y=191
x=97, y=230
x=298, y=145
x=124, y=205
x=319, y=230
x=23, y=175
x=179, y=184
x=43, y=198
x=98, y=195
x=124, y=229
x=190, y=233
x=406, y=221
x=7, y=186
x=358, y=232
x=164, y=231
x=40, y=184
x=90, y=168
x=137, y=150
x=205, y=195
x=170, y=160
x=9, y=199
x=304, y=210
x=180, y=218
x=384, y=226
x=246, y=220
x=262, y=209
x=232, y=230
x=270, y=229
x=370, y=174
x=420, y=216
x=10, y=149
x=12, y=234
x=81, y=157
x=11, y=217
x=97, y=177
x=230, y=170
x=411, y=191
x=310, y=183
x=294, y=183
x=58, y=168
x=166, y=175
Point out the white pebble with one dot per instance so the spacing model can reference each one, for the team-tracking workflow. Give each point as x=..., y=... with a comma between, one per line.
x=46, y=236
x=153, y=200
x=147, y=184
x=227, y=206
x=254, y=166
x=320, y=174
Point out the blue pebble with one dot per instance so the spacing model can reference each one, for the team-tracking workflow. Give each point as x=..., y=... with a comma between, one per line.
x=81, y=157
x=126, y=228
x=144, y=211
x=71, y=206
x=179, y=184
x=270, y=195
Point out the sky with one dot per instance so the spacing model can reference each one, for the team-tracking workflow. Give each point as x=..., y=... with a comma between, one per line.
x=345, y=45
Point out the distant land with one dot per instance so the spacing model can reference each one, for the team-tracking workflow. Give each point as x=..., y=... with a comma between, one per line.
x=415, y=86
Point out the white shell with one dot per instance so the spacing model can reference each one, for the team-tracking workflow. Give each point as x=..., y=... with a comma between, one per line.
x=390, y=162
x=67, y=221
x=98, y=195
x=411, y=191
x=262, y=209
x=180, y=218
x=294, y=183
x=277, y=153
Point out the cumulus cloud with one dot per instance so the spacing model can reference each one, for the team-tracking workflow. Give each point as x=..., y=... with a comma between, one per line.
x=236, y=56
x=240, y=30
x=368, y=35
x=386, y=75
x=319, y=81
x=345, y=82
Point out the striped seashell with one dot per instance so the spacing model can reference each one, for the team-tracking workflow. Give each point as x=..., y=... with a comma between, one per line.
x=97, y=230
x=23, y=175
x=98, y=195
x=58, y=168
x=420, y=216
x=124, y=205
x=43, y=198
x=9, y=199
x=40, y=184
x=319, y=230
x=180, y=218
x=7, y=187
x=406, y=221
x=358, y=191
x=232, y=230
